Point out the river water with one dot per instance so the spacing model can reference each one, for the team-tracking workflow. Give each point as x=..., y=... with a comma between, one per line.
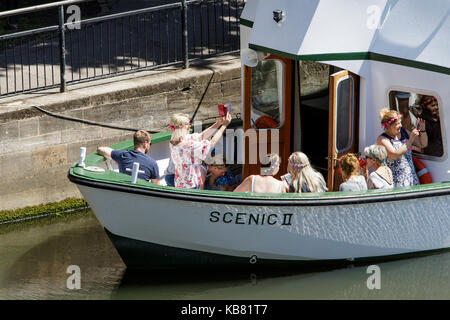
x=35, y=257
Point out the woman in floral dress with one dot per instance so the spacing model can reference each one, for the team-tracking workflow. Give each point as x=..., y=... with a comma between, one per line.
x=398, y=145
x=189, y=150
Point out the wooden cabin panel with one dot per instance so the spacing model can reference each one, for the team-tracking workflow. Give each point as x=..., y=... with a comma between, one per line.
x=264, y=137
x=343, y=122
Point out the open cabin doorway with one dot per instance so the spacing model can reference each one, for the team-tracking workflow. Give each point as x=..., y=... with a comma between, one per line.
x=328, y=117
x=313, y=116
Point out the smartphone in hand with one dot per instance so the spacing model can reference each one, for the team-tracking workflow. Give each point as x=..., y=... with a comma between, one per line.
x=224, y=109
x=287, y=178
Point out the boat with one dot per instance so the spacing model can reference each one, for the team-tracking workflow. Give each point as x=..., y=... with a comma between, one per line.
x=363, y=56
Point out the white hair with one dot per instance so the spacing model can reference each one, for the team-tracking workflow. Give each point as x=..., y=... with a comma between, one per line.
x=269, y=163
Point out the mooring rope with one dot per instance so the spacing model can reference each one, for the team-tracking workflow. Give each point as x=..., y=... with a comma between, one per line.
x=204, y=92
x=110, y=126
x=88, y=122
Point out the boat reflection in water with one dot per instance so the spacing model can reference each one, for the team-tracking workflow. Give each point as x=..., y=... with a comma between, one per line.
x=418, y=278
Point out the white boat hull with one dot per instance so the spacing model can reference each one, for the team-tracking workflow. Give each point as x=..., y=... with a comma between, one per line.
x=276, y=232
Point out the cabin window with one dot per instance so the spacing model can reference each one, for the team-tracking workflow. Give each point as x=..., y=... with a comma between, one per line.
x=266, y=93
x=344, y=116
x=413, y=106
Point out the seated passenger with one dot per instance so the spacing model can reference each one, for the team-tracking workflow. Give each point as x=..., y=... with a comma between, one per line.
x=303, y=177
x=219, y=176
x=381, y=177
x=265, y=183
x=353, y=181
x=126, y=158
x=169, y=174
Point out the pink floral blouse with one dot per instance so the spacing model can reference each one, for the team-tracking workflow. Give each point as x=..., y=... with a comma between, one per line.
x=187, y=158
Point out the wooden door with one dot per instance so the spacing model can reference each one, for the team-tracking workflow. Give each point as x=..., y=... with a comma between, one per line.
x=343, y=122
x=268, y=130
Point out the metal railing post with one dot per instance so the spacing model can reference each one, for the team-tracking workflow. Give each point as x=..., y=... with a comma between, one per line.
x=185, y=47
x=62, y=49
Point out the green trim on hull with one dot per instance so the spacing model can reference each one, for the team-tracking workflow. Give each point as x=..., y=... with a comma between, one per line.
x=122, y=182
x=278, y=200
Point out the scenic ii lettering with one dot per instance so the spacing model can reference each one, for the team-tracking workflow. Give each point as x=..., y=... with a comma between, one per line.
x=234, y=309
x=259, y=219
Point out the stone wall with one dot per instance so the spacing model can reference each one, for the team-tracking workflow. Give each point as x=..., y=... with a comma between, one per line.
x=37, y=150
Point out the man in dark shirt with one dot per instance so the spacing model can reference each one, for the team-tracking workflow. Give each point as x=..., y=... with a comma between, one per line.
x=125, y=158
x=430, y=113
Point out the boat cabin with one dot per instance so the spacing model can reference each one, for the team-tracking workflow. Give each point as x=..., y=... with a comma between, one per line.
x=317, y=73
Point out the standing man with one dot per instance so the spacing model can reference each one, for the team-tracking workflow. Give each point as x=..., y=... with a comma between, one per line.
x=125, y=158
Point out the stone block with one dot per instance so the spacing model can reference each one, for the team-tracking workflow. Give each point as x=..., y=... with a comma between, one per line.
x=50, y=157
x=31, y=143
x=48, y=124
x=78, y=114
x=86, y=134
x=214, y=92
x=106, y=114
x=107, y=133
x=9, y=130
x=28, y=128
x=231, y=87
x=16, y=166
x=149, y=105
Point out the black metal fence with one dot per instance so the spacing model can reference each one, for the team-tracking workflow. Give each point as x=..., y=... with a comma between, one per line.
x=117, y=44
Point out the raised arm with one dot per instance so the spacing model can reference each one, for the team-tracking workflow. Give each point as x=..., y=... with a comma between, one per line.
x=393, y=153
x=218, y=135
x=422, y=142
x=207, y=133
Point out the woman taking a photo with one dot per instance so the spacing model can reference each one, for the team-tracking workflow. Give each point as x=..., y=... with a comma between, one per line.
x=189, y=150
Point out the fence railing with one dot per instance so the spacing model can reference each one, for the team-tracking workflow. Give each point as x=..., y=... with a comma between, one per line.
x=117, y=44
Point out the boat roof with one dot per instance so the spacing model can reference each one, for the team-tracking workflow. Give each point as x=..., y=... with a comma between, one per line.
x=414, y=33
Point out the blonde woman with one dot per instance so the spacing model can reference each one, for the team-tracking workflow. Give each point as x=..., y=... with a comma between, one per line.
x=398, y=144
x=264, y=183
x=353, y=181
x=381, y=177
x=303, y=176
x=189, y=150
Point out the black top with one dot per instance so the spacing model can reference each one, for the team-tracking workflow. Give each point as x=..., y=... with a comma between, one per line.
x=435, y=146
